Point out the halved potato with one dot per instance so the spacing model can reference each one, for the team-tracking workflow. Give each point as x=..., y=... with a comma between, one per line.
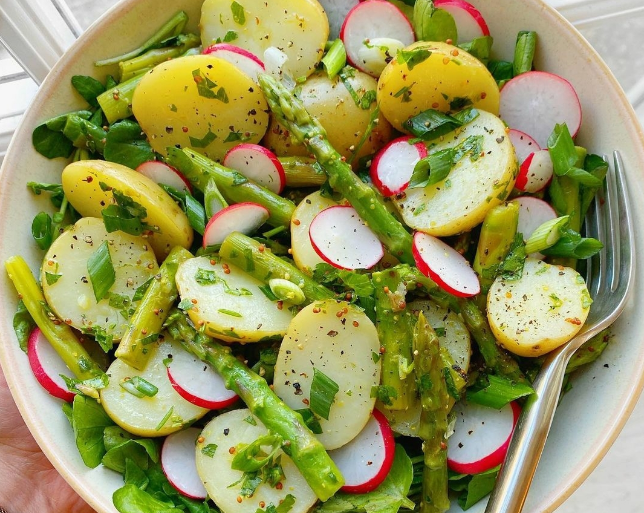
x=67, y=285
x=539, y=312
x=303, y=253
x=339, y=340
x=334, y=107
x=299, y=29
x=229, y=303
x=216, y=448
x=471, y=189
x=88, y=186
x=160, y=415
x=200, y=102
x=437, y=76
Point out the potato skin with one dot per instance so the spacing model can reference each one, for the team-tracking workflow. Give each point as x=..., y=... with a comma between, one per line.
x=331, y=103
x=82, y=186
x=177, y=104
x=449, y=71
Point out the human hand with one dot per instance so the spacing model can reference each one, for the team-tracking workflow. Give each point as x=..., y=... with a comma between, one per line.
x=30, y=484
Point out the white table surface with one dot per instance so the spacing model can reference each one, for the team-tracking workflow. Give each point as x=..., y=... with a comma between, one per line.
x=616, y=484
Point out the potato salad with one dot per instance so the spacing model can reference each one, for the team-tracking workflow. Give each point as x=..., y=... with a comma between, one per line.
x=309, y=259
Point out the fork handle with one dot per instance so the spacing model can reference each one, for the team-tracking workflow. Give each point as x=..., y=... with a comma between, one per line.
x=529, y=438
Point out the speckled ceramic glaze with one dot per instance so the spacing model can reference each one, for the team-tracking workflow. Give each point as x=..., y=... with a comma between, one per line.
x=589, y=417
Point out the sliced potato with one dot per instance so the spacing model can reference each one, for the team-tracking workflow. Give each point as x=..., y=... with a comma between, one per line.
x=303, y=253
x=160, y=415
x=439, y=76
x=472, y=188
x=84, y=183
x=299, y=29
x=229, y=303
x=451, y=330
x=228, y=431
x=67, y=285
x=345, y=122
x=200, y=102
x=539, y=312
x=339, y=340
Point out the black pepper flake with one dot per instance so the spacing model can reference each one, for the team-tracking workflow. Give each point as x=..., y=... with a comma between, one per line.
x=226, y=431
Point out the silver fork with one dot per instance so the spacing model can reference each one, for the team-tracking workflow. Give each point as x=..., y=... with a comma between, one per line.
x=610, y=279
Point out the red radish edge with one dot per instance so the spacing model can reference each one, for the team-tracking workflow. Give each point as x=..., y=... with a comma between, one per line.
x=534, y=102
x=215, y=394
x=242, y=59
x=468, y=8
x=218, y=47
x=494, y=458
x=524, y=145
x=239, y=158
x=387, y=23
x=389, y=447
x=357, y=244
x=385, y=184
x=535, y=174
x=240, y=217
x=178, y=461
x=444, y=265
x=47, y=366
x=161, y=173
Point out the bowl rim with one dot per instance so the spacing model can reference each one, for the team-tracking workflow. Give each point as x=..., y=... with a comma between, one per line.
x=553, y=500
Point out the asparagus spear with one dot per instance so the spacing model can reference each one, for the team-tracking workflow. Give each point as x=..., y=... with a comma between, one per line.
x=152, y=311
x=233, y=186
x=301, y=172
x=432, y=429
x=498, y=231
x=260, y=262
x=302, y=446
x=59, y=334
x=395, y=325
x=495, y=357
x=291, y=113
x=116, y=102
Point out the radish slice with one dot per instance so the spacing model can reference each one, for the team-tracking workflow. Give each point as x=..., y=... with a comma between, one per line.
x=373, y=19
x=366, y=460
x=481, y=437
x=161, y=173
x=342, y=238
x=240, y=217
x=524, y=145
x=179, y=463
x=469, y=21
x=198, y=383
x=534, y=102
x=535, y=173
x=392, y=168
x=244, y=60
x=47, y=366
x=446, y=266
x=259, y=164
x=533, y=212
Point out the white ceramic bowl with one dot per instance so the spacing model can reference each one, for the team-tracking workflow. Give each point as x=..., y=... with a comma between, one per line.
x=589, y=417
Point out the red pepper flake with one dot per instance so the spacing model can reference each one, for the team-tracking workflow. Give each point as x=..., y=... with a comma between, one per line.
x=232, y=450
x=454, y=52
x=296, y=222
x=144, y=331
x=382, y=350
x=449, y=41
x=262, y=504
x=280, y=305
x=348, y=296
x=185, y=129
x=339, y=314
x=316, y=309
x=305, y=401
x=68, y=321
x=213, y=261
x=279, y=486
x=576, y=321
x=262, y=248
x=356, y=324
x=483, y=95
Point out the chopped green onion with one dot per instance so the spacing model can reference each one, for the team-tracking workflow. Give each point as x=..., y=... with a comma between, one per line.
x=213, y=199
x=524, y=52
x=101, y=271
x=323, y=390
x=139, y=387
x=335, y=59
x=164, y=419
x=287, y=291
x=252, y=457
x=496, y=391
x=565, y=158
x=310, y=420
x=546, y=235
x=232, y=313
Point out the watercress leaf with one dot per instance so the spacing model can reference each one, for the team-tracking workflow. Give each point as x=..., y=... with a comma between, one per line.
x=497, y=391
x=89, y=421
x=51, y=143
x=131, y=499
x=135, y=475
x=432, y=24
x=88, y=87
x=478, y=487
x=42, y=230
x=479, y=47
x=126, y=144
x=573, y=245
x=502, y=71
x=23, y=324
x=140, y=451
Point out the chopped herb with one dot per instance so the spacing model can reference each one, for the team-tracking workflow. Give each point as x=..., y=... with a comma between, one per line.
x=209, y=450
x=207, y=88
x=384, y=394
x=413, y=57
x=459, y=103
x=229, y=312
x=375, y=357
x=126, y=215
x=238, y=13
x=186, y=304
x=404, y=94
x=250, y=420
x=440, y=332
x=452, y=389
x=239, y=136
x=432, y=124
x=101, y=271
x=310, y=420
x=367, y=98
x=52, y=278
x=150, y=339
x=204, y=141
x=102, y=337
x=165, y=419
x=141, y=290
x=23, y=324
x=323, y=391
